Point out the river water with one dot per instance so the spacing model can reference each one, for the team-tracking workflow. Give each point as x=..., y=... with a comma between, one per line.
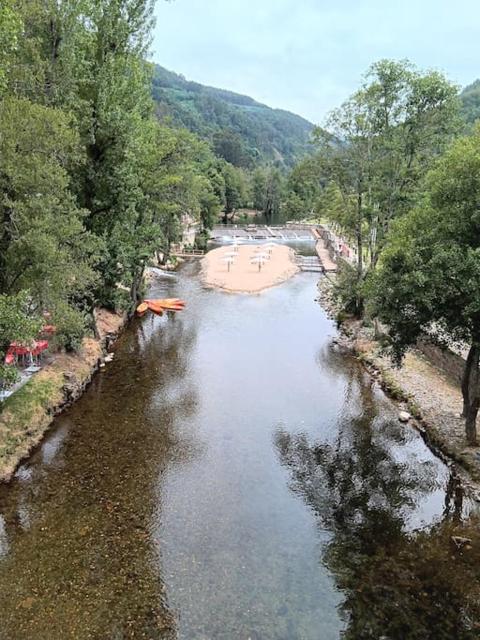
x=231, y=475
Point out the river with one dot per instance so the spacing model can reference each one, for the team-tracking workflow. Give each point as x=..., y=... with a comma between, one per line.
x=231, y=475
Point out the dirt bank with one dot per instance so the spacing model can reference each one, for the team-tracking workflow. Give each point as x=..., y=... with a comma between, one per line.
x=26, y=415
x=243, y=275
x=431, y=397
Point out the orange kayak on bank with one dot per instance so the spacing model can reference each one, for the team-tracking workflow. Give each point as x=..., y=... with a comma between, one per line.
x=156, y=308
x=142, y=309
x=167, y=302
x=159, y=306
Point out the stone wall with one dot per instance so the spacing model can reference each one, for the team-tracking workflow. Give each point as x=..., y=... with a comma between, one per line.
x=450, y=363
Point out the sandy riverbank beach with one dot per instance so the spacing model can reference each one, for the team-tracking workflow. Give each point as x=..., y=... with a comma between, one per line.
x=243, y=275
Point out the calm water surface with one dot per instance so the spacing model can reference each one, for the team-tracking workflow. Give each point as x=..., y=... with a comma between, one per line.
x=217, y=481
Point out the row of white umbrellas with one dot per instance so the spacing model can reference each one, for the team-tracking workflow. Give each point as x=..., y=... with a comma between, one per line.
x=259, y=258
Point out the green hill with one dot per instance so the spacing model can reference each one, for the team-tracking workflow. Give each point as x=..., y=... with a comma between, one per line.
x=470, y=97
x=241, y=130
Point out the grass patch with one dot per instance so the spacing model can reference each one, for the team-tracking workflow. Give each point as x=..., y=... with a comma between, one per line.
x=25, y=411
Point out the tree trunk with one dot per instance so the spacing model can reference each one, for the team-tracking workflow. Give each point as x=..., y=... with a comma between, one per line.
x=465, y=381
x=135, y=288
x=359, y=242
x=96, y=332
x=471, y=393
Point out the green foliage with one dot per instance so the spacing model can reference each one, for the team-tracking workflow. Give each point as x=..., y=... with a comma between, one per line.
x=348, y=289
x=235, y=188
x=430, y=271
x=229, y=145
x=379, y=145
x=243, y=131
x=43, y=245
x=18, y=323
x=304, y=189
x=268, y=190
x=71, y=327
x=10, y=25
x=470, y=98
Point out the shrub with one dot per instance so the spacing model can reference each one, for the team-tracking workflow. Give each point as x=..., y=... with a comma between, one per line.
x=71, y=327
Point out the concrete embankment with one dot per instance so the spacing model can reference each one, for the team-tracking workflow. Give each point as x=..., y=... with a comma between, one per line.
x=26, y=416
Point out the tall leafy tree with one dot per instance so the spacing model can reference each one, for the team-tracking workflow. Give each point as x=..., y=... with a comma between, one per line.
x=412, y=117
x=429, y=274
x=10, y=26
x=43, y=244
x=380, y=144
x=346, y=161
x=303, y=188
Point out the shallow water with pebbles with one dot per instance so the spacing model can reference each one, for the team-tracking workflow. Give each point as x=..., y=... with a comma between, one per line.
x=204, y=486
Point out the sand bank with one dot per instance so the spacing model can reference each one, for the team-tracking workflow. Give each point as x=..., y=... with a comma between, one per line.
x=243, y=275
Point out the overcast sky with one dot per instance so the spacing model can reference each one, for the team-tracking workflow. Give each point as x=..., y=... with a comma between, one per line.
x=307, y=56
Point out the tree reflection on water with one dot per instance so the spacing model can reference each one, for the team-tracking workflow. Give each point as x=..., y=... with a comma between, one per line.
x=399, y=582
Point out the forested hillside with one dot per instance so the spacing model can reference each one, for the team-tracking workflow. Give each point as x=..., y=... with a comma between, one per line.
x=470, y=98
x=242, y=131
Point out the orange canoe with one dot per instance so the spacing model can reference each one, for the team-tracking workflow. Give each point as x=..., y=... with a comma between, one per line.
x=166, y=301
x=155, y=307
x=142, y=309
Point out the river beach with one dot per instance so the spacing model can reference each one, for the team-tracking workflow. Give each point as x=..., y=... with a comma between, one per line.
x=241, y=268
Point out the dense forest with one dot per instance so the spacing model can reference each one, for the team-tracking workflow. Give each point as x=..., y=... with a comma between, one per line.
x=242, y=131
x=470, y=97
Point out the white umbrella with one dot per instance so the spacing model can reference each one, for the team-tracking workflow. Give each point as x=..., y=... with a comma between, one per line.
x=263, y=256
x=270, y=246
x=260, y=260
x=229, y=260
x=260, y=249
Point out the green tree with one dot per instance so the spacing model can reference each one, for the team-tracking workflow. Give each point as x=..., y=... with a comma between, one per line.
x=379, y=146
x=229, y=145
x=18, y=323
x=10, y=25
x=43, y=244
x=273, y=195
x=259, y=188
x=52, y=56
x=412, y=117
x=235, y=189
x=346, y=161
x=428, y=277
x=303, y=189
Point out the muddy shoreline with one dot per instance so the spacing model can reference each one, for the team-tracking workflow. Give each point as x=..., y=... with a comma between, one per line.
x=27, y=416
x=442, y=432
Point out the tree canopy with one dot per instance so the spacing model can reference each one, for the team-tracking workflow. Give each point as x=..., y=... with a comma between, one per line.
x=427, y=282
x=91, y=184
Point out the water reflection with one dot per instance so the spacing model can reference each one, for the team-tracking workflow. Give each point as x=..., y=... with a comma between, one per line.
x=157, y=507
x=372, y=488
